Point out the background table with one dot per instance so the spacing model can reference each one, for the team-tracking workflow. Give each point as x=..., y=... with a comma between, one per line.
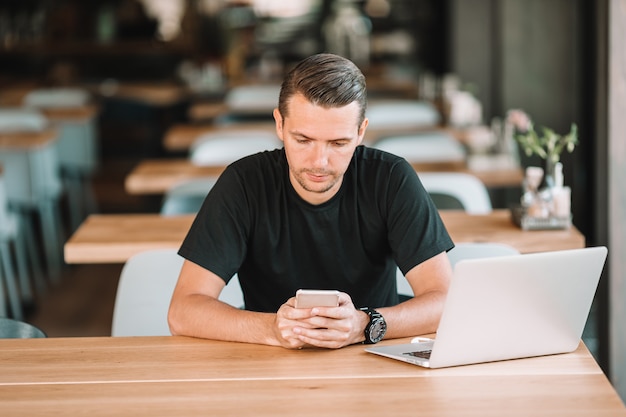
x=183, y=376
x=156, y=176
x=113, y=238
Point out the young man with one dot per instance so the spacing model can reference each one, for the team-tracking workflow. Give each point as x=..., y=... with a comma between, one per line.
x=321, y=213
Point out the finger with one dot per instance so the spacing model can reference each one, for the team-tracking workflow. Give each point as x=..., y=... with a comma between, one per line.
x=326, y=342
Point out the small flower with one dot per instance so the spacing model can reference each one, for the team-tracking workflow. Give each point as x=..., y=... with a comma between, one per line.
x=549, y=145
x=519, y=119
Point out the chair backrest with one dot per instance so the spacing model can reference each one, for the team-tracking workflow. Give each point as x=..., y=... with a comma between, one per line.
x=5, y=216
x=253, y=98
x=470, y=191
x=56, y=97
x=401, y=114
x=424, y=147
x=144, y=291
x=15, y=329
x=22, y=119
x=463, y=250
x=77, y=144
x=30, y=173
x=473, y=250
x=226, y=147
x=186, y=197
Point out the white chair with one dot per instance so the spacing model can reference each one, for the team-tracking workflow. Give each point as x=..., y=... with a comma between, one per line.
x=77, y=144
x=402, y=114
x=257, y=99
x=467, y=189
x=56, y=97
x=33, y=183
x=474, y=250
x=424, y=147
x=145, y=289
x=463, y=250
x=187, y=196
x=226, y=147
x=17, y=119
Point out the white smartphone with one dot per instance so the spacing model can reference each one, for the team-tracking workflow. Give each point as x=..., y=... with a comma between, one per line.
x=317, y=298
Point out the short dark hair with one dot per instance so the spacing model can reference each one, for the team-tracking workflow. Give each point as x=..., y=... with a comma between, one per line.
x=325, y=80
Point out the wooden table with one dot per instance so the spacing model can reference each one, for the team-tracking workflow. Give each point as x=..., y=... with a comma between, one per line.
x=23, y=141
x=164, y=376
x=156, y=176
x=113, y=238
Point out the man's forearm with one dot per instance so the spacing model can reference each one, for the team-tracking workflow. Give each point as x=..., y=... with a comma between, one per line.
x=419, y=315
x=205, y=317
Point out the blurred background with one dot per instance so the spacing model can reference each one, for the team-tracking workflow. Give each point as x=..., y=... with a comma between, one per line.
x=151, y=64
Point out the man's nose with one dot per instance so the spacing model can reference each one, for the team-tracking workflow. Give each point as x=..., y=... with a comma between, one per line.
x=320, y=155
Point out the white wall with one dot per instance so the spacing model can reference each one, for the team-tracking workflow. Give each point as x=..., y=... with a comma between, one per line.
x=617, y=192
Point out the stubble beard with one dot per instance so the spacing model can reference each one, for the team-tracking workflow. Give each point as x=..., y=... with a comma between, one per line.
x=326, y=186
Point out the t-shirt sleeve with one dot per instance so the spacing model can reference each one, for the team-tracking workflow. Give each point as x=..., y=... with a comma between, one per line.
x=416, y=231
x=217, y=238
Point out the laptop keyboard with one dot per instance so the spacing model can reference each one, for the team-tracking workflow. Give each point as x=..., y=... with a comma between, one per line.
x=424, y=354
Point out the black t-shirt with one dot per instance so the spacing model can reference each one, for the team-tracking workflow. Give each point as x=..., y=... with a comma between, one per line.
x=253, y=223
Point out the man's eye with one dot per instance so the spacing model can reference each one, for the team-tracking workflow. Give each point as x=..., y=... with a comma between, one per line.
x=340, y=144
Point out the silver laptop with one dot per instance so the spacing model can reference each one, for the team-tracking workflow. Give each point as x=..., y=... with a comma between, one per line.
x=510, y=307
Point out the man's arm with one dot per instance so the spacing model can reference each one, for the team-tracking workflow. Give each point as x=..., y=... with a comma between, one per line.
x=430, y=281
x=195, y=310
x=335, y=327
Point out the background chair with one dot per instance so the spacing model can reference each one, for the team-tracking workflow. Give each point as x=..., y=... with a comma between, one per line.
x=457, y=190
x=77, y=144
x=262, y=98
x=463, y=250
x=226, y=147
x=187, y=196
x=15, y=329
x=402, y=114
x=249, y=103
x=144, y=291
x=12, y=236
x=424, y=147
x=33, y=183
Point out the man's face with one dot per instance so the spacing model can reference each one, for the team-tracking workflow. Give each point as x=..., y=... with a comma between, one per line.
x=319, y=144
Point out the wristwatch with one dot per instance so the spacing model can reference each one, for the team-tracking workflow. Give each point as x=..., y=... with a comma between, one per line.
x=376, y=328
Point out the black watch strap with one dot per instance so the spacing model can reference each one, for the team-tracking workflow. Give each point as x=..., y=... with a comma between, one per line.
x=376, y=328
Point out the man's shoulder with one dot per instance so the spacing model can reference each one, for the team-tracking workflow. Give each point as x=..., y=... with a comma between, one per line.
x=266, y=161
x=372, y=159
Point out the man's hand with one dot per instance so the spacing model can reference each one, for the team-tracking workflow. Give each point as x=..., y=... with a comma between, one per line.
x=325, y=327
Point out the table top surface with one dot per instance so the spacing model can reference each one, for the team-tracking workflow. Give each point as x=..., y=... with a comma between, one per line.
x=182, y=376
x=156, y=176
x=24, y=140
x=113, y=238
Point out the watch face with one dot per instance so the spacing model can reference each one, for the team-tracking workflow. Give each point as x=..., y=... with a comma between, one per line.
x=377, y=330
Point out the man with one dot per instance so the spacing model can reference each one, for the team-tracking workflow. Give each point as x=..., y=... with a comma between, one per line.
x=321, y=213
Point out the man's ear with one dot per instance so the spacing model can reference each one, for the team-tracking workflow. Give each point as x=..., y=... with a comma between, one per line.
x=362, y=130
x=278, y=118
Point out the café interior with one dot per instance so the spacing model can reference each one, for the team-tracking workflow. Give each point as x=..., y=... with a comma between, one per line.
x=121, y=94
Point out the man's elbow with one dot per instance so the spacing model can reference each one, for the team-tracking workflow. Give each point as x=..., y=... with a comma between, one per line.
x=174, y=320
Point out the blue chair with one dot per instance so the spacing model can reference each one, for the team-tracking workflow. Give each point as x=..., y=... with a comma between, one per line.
x=17, y=329
x=32, y=180
x=186, y=197
x=77, y=144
